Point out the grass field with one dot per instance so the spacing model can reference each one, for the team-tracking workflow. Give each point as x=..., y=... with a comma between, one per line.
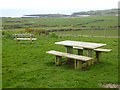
x=57, y=23
x=108, y=20
x=104, y=33
x=88, y=24
x=26, y=65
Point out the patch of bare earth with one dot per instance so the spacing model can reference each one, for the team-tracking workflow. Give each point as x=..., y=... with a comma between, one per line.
x=109, y=85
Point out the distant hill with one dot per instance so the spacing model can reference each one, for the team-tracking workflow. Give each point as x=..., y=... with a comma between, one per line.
x=98, y=12
x=47, y=15
x=108, y=12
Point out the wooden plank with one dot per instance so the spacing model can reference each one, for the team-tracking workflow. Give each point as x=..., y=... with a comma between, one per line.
x=78, y=48
x=79, y=64
x=98, y=52
x=69, y=49
x=75, y=64
x=102, y=50
x=23, y=34
x=88, y=45
x=68, y=55
x=58, y=60
x=89, y=63
x=90, y=54
x=98, y=55
x=26, y=38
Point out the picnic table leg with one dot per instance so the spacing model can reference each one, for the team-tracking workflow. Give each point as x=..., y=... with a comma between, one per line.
x=90, y=54
x=75, y=64
x=89, y=63
x=31, y=38
x=98, y=54
x=69, y=49
x=78, y=64
x=16, y=38
x=58, y=60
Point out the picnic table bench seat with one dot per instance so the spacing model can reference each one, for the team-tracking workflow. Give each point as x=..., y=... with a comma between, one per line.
x=102, y=50
x=78, y=59
x=98, y=52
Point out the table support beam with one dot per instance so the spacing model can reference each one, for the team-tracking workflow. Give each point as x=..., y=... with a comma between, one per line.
x=98, y=55
x=69, y=49
x=78, y=64
x=58, y=60
x=90, y=54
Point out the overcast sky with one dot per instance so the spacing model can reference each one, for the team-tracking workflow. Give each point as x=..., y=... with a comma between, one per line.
x=22, y=7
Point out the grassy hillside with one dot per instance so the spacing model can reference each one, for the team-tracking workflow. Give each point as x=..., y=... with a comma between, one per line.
x=108, y=12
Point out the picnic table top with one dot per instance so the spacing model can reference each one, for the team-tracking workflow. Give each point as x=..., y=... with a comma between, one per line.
x=87, y=45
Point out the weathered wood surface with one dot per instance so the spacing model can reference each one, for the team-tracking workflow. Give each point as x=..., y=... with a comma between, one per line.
x=98, y=56
x=24, y=35
x=58, y=60
x=87, y=45
x=78, y=48
x=69, y=49
x=102, y=50
x=26, y=38
x=98, y=52
x=78, y=64
x=68, y=55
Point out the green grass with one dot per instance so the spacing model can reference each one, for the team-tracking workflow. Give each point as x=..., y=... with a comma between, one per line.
x=105, y=33
x=27, y=65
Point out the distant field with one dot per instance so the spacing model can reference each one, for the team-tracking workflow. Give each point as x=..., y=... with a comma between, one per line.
x=98, y=20
x=101, y=21
x=93, y=25
x=104, y=33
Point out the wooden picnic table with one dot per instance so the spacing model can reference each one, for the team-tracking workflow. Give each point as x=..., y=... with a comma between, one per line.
x=89, y=46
